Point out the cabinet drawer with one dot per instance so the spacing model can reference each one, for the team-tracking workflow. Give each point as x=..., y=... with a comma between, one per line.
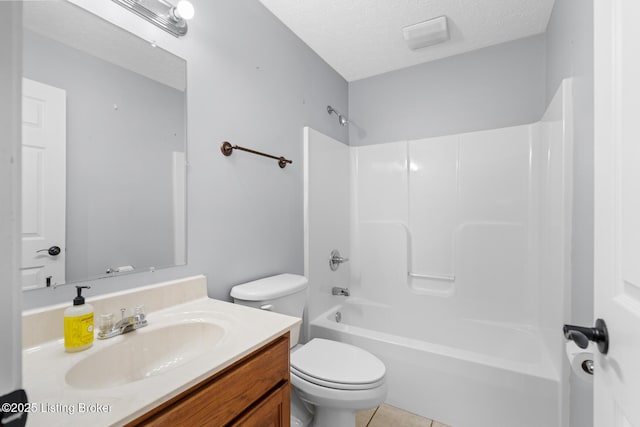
x=226, y=395
x=272, y=411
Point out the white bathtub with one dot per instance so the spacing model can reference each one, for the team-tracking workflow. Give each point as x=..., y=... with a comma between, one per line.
x=463, y=373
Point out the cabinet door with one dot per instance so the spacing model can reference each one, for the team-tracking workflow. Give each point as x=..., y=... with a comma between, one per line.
x=272, y=411
x=229, y=395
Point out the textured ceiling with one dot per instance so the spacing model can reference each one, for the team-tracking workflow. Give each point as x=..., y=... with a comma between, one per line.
x=362, y=38
x=71, y=25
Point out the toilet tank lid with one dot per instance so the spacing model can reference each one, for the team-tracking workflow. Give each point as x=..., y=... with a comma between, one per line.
x=270, y=287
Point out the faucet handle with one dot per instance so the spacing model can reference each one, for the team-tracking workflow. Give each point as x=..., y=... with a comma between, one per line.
x=335, y=259
x=139, y=312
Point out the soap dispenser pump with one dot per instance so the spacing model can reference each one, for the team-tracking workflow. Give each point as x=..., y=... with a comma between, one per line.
x=78, y=324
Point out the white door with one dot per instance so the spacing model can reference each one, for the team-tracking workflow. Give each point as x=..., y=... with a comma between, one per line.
x=43, y=184
x=617, y=210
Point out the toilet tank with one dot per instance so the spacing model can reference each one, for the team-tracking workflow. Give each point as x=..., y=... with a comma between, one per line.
x=284, y=293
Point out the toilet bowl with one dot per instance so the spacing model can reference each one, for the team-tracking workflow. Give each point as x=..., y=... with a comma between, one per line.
x=337, y=379
x=330, y=380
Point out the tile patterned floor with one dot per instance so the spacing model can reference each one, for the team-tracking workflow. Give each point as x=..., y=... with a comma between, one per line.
x=387, y=415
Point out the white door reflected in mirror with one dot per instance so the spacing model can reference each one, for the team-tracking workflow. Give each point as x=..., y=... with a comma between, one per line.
x=43, y=184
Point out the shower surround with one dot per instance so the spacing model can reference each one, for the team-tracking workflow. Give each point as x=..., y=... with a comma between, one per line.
x=459, y=265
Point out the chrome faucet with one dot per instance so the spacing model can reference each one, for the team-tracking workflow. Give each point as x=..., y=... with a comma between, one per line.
x=340, y=291
x=335, y=259
x=107, y=329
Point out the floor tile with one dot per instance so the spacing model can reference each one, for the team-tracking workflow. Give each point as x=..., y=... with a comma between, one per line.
x=363, y=417
x=388, y=415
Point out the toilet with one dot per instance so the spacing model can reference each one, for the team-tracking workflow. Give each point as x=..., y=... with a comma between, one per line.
x=331, y=380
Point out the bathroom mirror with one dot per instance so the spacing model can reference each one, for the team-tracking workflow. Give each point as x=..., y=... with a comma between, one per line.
x=104, y=137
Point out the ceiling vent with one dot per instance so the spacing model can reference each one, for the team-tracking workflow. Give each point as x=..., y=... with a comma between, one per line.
x=426, y=33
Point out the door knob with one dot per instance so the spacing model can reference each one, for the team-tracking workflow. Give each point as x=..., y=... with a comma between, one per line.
x=581, y=335
x=53, y=250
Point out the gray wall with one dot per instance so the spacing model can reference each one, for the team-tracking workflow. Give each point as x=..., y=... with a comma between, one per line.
x=570, y=54
x=252, y=82
x=498, y=86
x=119, y=161
x=10, y=123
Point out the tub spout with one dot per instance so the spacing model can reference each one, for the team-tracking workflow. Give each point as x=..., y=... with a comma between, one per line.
x=340, y=291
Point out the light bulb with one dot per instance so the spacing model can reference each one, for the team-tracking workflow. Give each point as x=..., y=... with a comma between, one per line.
x=184, y=10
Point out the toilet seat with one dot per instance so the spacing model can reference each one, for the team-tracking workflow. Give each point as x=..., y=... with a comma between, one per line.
x=335, y=385
x=337, y=365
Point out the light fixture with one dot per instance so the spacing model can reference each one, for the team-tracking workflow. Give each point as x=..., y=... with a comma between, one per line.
x=426, y=33
x=184, y=10
x=172, y=19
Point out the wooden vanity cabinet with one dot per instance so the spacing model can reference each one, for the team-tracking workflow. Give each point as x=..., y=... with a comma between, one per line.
x=253, y=392
x=272, y=411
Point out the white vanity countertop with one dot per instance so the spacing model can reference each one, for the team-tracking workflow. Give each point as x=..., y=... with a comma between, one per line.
x=56, y=403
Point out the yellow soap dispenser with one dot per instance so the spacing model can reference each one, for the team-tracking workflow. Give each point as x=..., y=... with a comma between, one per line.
x=78, y=324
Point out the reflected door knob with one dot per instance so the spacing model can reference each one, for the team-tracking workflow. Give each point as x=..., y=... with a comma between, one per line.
x=53, y=250
x=581, y=335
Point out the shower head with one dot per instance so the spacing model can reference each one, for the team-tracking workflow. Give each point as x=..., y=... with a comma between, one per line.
x=341, y=119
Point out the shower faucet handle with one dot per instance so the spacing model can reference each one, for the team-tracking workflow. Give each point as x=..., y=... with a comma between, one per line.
x=335, y=260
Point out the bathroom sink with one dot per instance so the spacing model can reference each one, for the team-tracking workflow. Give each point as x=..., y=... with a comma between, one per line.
x=145, y=353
